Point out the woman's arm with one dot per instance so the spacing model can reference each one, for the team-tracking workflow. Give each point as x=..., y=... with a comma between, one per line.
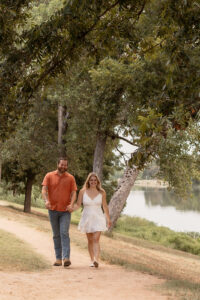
x=105, y=208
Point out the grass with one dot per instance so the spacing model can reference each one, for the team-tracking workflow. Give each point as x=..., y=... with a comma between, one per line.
x=127, y=226
x=146, y=230
x=37, y=200
x=133, y=227
x=16, y=255
x=130, y=252
x=37, y=204
x=184, y=290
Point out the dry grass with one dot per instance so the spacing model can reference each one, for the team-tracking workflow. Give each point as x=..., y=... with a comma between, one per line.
x=16, y=255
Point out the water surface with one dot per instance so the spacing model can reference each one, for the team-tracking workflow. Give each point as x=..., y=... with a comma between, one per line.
x=164, y=209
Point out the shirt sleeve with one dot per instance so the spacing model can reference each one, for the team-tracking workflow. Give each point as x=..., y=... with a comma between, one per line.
x=45, y=181
x=73, y=184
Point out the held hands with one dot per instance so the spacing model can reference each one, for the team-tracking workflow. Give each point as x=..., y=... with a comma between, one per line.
x=70, y=208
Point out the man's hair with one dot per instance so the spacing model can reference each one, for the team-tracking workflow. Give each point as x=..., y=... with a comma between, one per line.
x=61, y=158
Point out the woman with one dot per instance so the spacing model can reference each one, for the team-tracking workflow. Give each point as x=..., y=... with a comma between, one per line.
x=93, y=221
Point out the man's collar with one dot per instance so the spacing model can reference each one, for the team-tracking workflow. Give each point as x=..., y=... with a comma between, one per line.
x=61, y=174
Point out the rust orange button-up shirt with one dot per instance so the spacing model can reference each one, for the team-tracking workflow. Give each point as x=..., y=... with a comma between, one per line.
x=60, y=188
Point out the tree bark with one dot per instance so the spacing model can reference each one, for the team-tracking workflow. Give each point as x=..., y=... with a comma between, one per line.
x=0, y=170
x=62, y=128
x=0, y=163
x=28, y=190
x=99, y=154
x=120, y=196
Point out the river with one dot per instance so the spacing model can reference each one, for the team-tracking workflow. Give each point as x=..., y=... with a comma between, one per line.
x=165, y=209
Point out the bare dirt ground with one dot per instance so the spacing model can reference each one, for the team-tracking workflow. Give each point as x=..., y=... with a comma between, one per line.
x=79, y=281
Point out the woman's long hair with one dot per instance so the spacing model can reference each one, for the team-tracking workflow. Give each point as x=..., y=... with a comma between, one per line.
x=87, y=184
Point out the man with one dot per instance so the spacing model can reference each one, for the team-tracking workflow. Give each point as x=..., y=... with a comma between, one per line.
x=59, y=192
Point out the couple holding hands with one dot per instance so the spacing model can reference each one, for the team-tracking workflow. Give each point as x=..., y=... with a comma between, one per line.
x=59, y=193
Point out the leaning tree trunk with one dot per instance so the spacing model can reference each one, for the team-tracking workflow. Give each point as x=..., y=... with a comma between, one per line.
x=120, y=196
x=62, y=128
x=99, y=154
x=28, y=190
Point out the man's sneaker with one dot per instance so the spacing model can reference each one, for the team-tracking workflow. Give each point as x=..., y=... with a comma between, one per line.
x=58, y=262
x=66, y=262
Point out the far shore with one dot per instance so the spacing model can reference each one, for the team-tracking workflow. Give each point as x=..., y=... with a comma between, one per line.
x=151, y=183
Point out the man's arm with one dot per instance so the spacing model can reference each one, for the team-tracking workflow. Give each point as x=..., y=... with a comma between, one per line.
x=72, y=201
x=45, y=196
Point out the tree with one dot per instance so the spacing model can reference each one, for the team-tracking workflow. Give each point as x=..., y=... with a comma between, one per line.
x=160, y=55
x=35, y=55
x=31, y=151
x=169, y=62
x=179, y=159
x=79, y=96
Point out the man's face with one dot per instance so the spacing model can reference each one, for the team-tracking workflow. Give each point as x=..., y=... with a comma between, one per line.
x=62, y=166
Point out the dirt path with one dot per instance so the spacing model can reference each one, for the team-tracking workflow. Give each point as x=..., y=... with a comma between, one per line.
x=76, y=282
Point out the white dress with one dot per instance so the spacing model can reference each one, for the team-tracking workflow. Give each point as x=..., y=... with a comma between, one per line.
x=92, y=218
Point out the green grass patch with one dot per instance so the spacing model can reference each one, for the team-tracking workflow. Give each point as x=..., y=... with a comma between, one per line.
x=37, y=204
x=37, y=200
x=16, y=255
x=75, y=217
x=143, y=229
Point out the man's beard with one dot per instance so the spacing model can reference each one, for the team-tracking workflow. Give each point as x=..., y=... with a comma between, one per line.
x=62, y=170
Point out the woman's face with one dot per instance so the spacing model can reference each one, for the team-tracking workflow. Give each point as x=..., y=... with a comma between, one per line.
x=93, y=181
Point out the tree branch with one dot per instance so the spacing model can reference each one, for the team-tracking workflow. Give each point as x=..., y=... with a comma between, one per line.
x=142, y=8
x=60, y=61
x=121, y=138
x=123, y=155
x=154, y=46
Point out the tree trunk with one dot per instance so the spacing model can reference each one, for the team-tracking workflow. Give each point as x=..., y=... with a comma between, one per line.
x=62, y=128
x=14, y=190
x=0, y=163
x=0, y=170
x=120, y=196
x=99, y=154
x=28, y=190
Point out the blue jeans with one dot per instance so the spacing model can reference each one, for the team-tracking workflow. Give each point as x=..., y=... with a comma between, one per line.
x=60, y=222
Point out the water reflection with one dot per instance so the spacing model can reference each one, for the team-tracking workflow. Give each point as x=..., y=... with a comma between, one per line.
x=164, y=197
x=165, y=209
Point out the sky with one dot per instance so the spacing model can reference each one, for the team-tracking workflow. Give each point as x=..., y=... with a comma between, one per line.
x=126, y=148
